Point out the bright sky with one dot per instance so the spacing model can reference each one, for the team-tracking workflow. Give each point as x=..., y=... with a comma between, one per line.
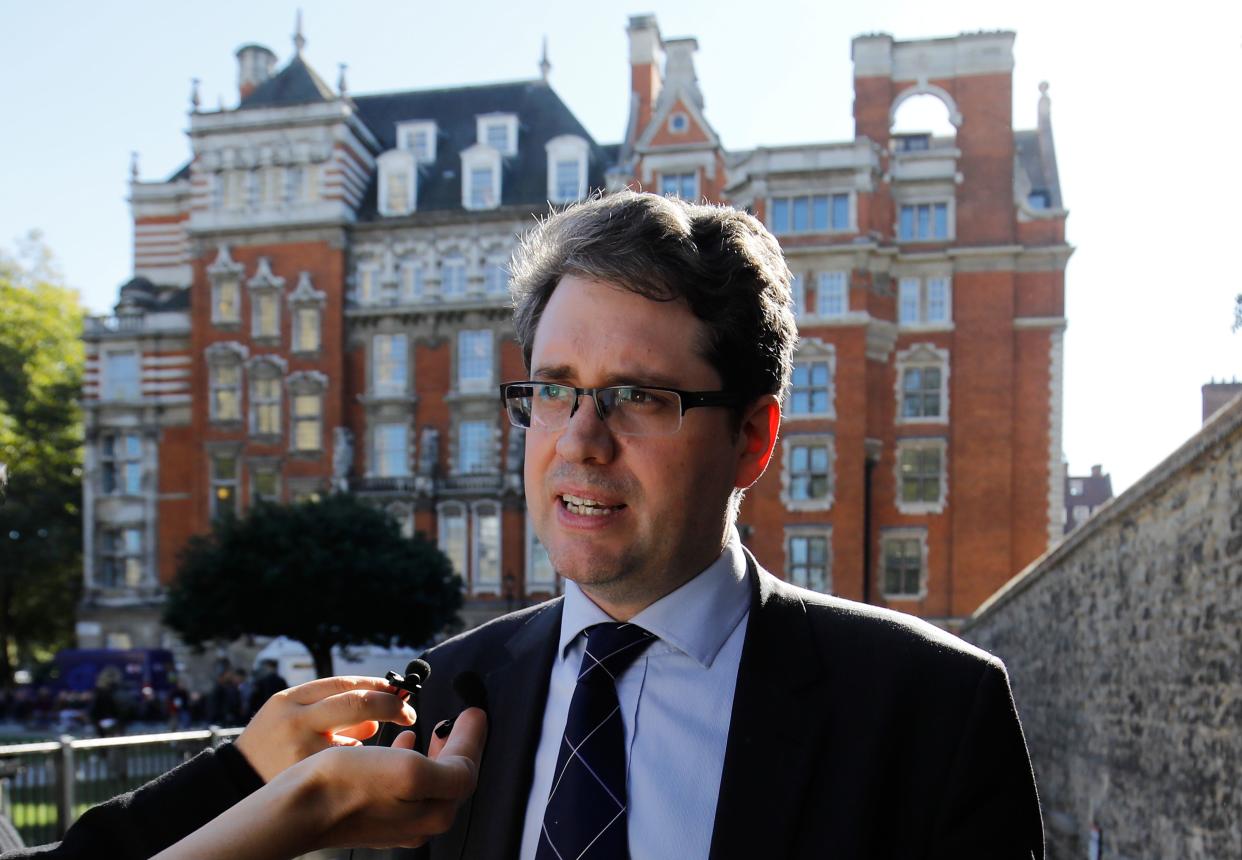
x=1145, y=110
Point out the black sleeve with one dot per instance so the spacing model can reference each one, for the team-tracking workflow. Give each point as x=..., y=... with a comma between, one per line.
x=990, y=806
x=145, y=821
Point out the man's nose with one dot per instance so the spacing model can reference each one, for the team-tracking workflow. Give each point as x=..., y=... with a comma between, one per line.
x=586, y=438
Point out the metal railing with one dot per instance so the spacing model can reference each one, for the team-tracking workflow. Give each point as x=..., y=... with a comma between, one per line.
x=45, y=786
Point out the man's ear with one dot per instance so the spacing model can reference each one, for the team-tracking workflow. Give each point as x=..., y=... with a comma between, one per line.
x=757, y=439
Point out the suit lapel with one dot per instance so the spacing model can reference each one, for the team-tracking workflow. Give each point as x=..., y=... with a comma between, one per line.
x=769, y=756
x=517, y=689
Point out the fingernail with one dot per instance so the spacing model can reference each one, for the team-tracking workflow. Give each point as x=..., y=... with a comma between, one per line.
x=444, y=729
x=410, y=714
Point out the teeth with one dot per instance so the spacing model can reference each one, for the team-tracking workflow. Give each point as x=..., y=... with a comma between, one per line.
x=578, y=500
x=586, y=507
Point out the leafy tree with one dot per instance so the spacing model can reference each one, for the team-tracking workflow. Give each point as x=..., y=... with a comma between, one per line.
x=41, y=358
x=325, y=573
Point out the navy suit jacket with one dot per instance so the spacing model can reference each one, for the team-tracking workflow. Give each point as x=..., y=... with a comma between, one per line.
x=856, y=732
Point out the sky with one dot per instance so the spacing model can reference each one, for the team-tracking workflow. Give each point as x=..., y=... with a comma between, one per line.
x=1145, y=110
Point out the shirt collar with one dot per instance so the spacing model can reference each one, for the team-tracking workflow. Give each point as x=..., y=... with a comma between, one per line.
x=696, y=619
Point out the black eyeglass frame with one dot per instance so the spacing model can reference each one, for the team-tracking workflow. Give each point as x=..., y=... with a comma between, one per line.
x=688, y=399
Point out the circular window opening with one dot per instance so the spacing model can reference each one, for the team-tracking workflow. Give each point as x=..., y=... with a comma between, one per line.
x=678, y=123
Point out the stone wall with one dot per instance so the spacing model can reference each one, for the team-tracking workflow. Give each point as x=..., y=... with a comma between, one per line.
x=1124, y=644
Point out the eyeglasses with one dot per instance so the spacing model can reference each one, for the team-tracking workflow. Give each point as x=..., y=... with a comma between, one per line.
x=627, y=410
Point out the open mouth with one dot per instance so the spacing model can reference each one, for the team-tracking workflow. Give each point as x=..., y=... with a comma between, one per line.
x=587, y=507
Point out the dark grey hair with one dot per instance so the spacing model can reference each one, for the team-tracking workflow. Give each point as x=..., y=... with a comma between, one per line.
x=725, y=265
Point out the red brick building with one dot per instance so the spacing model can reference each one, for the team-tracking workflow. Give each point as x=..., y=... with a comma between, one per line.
x=319, y=302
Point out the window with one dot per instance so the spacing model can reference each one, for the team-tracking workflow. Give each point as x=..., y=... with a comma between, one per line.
x=265, y=315
x=486, y=573
x=480, y=171
x=453, y=276
x=368, y=284
x=451, y=536
x=389, y=364
x=120, y=461
x=903, y=554
x=797, y=286
x=234, y=193
x=295, y=185
x=265, y=396
x=806, y=476
x=474, y=361
x=419, y=139
x=225, y=381
x=223, y=485
x=920, y=476
x=678, y=123
x=122, y=378
x=1081, y=513
x=540, y=575
x=306, y=329
x=265, y=483
x=120, y=558
x=496, y=278
x=923, y=222
x=413, y=281
x=307, y=422
x=809, y=390
x=226, y=301
x=832, y=297
x=271, y=187
x=683, y=185
x=390, y=456
x=813, y=213
x=924, y=301
x=498, y=132
x=807, y=558
x=397, y=183
x=922, y=384
x=1076, y=486
x=475, y=444
x=567, y=168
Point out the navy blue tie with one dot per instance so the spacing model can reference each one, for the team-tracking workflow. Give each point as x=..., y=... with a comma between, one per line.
x=585, y=815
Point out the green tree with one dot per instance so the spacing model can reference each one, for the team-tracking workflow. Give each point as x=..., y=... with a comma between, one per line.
x=41, y=358
x=325, y=573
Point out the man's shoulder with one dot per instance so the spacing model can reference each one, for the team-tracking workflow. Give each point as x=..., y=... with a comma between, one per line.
x=490, y=638
x=882, y=636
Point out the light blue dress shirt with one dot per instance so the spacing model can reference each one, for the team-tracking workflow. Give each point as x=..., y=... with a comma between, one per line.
x=676, y=705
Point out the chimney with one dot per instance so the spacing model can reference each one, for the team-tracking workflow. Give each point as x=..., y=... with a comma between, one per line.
x=1097, y=471
x=679, y=69
x=646, y=59
x=254, y=66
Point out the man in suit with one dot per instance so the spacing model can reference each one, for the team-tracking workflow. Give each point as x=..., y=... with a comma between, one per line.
x=749, y=718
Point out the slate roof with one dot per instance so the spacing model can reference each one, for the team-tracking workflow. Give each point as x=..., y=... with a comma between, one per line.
x=1040, y=166
x=140, y=292
x=541, y=116
x=295, y=84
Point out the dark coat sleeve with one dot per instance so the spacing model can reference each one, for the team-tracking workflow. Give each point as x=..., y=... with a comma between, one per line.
x=145, y=821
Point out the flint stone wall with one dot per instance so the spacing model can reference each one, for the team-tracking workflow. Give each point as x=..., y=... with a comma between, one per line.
x=1124, y=647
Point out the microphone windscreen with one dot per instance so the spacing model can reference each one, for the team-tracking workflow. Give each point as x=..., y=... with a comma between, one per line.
x=469, y=688
x=421, y=668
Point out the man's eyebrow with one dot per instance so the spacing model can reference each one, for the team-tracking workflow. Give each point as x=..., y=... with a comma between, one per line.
x=564, y=373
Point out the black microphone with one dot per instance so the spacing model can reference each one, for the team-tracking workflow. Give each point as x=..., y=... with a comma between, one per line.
x=416, y=674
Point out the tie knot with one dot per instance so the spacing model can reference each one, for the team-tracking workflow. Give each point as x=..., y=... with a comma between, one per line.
x=612, y=648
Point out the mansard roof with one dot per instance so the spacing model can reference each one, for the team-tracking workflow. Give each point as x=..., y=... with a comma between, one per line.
x=541, y=116
x=1039, y=161
x=295, y=84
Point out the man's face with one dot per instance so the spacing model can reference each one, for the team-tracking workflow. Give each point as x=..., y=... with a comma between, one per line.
x=666, y=497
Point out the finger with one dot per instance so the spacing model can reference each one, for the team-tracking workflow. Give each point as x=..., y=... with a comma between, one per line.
x=343, y=741
x=314, y=691
x=352, y=707
x=362, y=731
x=438, y=740
x=455, y=767
x=404, y=741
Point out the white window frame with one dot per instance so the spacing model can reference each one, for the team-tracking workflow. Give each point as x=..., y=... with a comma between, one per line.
x=215, y=385
x=480, y=157
x=413, y=277
x=407, y=131
x=486, y=463
x=117, y=386
x=794, y=440
x=936, y=200
x=381, y=467
x=681, y=175
x=265, y=289
x=496, y=276
x=306, y=384
x=306, y=298
x=566, y=148
x=446, y=512
x=921, y=356
x=266, y=369
x=810, y=350
x=678, y=122
x=457, y=263
x=482, y=580
x=509, y=120
x=837, y=281
x=218, y=483
x=903, y=534
x=809, y=531
x=226, y=277
x=914, y=444
x=916, y=290
x=393, y=164
x=536, y=554
x=125, y=466
x=830, y=227
x=396, y=358
x=474, y=384
x=122, y=555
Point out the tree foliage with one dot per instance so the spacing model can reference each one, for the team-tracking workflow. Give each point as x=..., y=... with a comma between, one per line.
x=325, y=573
x=41, y=358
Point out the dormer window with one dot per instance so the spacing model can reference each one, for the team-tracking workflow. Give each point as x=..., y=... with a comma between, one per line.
x=678, y=123
x=418, y=138
x=567, y=168
x=480, y=173
x=398, y=180
x=499, y=131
